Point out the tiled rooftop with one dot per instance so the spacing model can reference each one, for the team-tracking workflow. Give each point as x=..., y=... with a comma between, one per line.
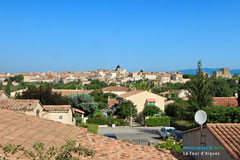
x=67, y=92
x=17, y=128
x=115, y=88
x=56, y=107
x=112, y=102
x=225, y=101
x=131, y=93
x=19, y=104
x=228, y=135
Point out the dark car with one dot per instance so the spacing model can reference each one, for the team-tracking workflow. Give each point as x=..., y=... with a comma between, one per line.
x=111, y=136
x=177, y=135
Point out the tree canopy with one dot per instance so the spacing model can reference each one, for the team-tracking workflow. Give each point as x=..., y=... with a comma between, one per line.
x=44, y=94
x=199, y=93
x=151, y=110
x=124, y=109
x=83, y=102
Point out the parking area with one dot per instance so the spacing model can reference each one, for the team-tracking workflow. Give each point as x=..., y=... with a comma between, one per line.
x=140, y=135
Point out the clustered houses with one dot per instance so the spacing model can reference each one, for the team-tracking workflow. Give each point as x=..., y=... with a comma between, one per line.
x=118, y=76
x=59, y=113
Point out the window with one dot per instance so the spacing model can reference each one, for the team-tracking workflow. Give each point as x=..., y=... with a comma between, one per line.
x=37, y=113
x=151, y=103
x=60, y=117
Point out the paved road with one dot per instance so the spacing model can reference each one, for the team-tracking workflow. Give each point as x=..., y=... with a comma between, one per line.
x=131, y=134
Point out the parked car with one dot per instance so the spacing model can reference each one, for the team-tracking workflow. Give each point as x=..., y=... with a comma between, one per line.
x=165, y=131
x=111, y=136
x=177, y=135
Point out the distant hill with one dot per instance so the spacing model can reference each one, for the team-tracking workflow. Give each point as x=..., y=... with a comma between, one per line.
x=208, y=70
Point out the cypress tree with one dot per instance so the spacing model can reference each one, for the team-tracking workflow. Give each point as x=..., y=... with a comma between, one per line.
x=239, y=92
x=8, y=88
x=199, y=93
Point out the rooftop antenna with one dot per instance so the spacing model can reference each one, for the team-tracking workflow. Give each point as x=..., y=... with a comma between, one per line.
x=200, y=118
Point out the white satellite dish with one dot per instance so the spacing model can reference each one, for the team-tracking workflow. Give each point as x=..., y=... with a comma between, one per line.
x=200, y=117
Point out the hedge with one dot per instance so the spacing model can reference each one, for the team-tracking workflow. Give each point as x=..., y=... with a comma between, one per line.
x=183, y=125
x=218, y=114
x=92, y=128
x=99, y=121
x=158, y=121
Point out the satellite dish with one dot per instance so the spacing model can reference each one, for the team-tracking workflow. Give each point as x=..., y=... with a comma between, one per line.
x=200, y=117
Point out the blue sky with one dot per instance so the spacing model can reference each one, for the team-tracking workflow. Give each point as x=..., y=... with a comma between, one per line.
x=160, y=35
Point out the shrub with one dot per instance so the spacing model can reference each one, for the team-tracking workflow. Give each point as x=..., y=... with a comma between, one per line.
x=150, y=110
x=69, y=151
x=183, y=125
x=119, y=122
x=99, y=121
x=170, y=144
x=92, y=128
x=158, y=121
x=217, y=114
x=84, y=125
x=98, y=114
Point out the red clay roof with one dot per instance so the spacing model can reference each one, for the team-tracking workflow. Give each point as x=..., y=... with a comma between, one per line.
x=56, y=107
x=19, y=104
x=151, y=100
x=79, y=111
x=115, y=88
x=17, y=128
x=228, y=135
x=67, y=92
x=131, y=93
x=225, y=101
x=112, y=102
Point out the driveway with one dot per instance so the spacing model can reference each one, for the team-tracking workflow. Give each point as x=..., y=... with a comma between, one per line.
x=140, y=135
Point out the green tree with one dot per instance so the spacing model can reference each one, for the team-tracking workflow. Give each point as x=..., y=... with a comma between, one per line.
x=18, y=78
x=219, y=87
x=101, y=98
x=8, y=87
x=150, y=110
x=1, y=86
x=44, y=94
x=83, y=102
x=238, y=91
x=125, y=108
x=199, y=93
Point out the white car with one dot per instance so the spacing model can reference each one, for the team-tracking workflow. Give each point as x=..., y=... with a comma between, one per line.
x=165, y=131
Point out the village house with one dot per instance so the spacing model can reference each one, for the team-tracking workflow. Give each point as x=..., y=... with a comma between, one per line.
x=115, y=89
x=59, y=113
x=142, y=98
x=222, y=137
x=27, y=106
x=26, y=130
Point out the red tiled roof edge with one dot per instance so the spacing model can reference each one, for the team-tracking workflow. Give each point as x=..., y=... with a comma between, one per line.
x=229, y=149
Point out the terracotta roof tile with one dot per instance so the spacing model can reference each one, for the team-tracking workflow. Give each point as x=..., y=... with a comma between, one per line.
x=26, y=129
x=225, y=101
x=112, y=102
x=19, y=104
x=67, y=92
x=78, y=110
x=56, y=107
x=115, y=88
x=131, y=93
x=151, y=100
x=228, y=135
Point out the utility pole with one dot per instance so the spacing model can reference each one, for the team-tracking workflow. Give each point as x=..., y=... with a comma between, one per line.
x=131, y=118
